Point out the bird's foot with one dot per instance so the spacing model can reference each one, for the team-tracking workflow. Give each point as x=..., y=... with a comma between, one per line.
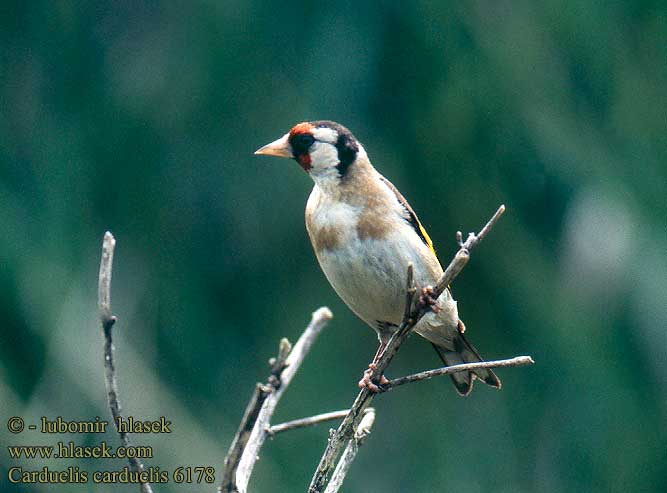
x=366, y=381
x=427, y=301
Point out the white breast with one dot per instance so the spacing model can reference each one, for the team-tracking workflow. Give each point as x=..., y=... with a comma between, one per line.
x=369, y=274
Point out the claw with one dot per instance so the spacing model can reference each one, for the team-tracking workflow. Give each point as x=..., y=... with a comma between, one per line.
x=367, y=383
x=427, y=301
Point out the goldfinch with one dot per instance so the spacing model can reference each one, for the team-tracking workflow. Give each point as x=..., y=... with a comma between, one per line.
x=365, y=234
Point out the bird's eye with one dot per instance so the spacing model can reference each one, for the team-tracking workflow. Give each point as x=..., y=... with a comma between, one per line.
x=301, y=143
x=305, y=140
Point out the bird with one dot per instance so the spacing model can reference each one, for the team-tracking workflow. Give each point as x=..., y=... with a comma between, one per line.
x=365, y=234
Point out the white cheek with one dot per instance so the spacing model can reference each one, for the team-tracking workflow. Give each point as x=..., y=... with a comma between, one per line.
x=323, y=161
x=323, y=155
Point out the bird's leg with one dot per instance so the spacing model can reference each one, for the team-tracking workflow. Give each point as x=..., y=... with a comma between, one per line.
x=366, y=381
x=427, y=301
x=378, y=353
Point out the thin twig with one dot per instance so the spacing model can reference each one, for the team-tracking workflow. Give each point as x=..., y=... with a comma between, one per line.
x=104, y=281
x=237, y=475
x=305, y=422
x=240, y=441
x=261, y=392
x=345, y=431
x=350, y=452
x=463, y=255
x=108, y=321
x=425, y=375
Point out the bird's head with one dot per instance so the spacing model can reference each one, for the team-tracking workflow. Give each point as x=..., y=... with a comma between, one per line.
x=324, y=149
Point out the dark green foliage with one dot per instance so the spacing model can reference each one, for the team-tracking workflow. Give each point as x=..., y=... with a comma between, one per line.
x=142, y=117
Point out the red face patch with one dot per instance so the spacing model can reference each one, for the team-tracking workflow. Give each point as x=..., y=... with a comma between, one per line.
x=304, y=161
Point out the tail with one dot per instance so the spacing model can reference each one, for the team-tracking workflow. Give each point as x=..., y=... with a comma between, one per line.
x=463, y=352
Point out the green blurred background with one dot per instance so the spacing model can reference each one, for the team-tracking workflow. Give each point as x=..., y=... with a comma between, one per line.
x=141, y=117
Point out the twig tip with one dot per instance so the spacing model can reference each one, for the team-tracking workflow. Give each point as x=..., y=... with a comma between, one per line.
x=284, y=346
x=365, y=425
x=109, y=238
x=323, y=312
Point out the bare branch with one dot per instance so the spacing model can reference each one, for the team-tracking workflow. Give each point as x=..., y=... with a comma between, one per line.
x=305, y=422
x=261, y=392
x=447, y=370
x=104, y=282
x=350, y=453
x=463, y=255
x=108, y=320
x=237, y=472
x=345, y=431
x=240, y=441
x=487, y=227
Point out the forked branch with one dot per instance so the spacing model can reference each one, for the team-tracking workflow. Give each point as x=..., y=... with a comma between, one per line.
x=350, y=452
x=255, y=426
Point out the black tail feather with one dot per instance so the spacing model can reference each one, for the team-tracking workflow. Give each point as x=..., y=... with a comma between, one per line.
x=464, y=352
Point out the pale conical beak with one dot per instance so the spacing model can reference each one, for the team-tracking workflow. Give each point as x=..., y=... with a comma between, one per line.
x=280, y=148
